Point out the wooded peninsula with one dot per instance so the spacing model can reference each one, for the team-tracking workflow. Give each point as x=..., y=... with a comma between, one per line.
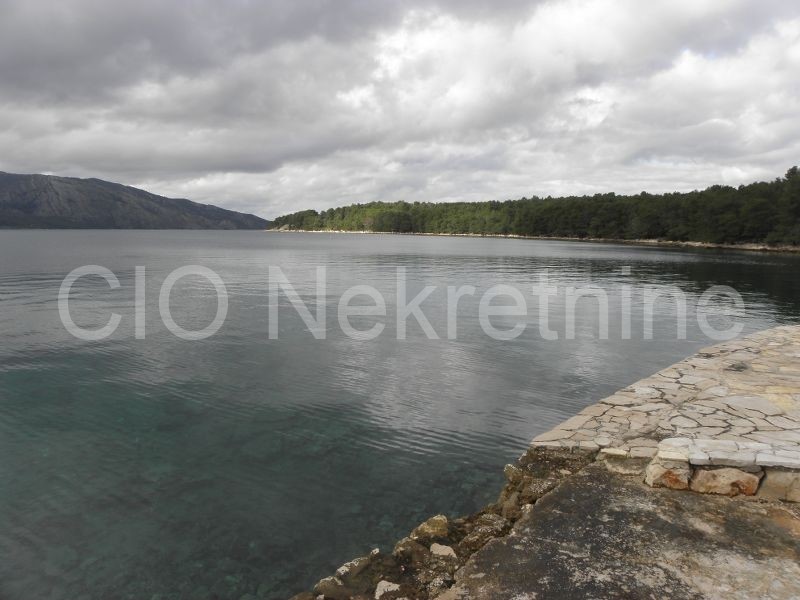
x=757, y=213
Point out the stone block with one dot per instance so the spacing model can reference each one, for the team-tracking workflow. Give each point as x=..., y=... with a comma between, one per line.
x=675, y=442
x=642, y=452
x=673, y=454
x=617, y=452
x=698, y=457
x=740, y=458
x=726, y=482
x=780, y=485
x=790, y=460
x=671, y=474
x=625, y=466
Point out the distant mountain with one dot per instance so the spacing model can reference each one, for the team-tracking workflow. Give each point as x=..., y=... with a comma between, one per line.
x=45, y=201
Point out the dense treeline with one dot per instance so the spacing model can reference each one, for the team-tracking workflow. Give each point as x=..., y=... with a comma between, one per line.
x=763, y=212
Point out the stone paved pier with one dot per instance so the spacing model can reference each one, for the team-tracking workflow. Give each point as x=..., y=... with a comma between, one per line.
x=605, y=506
x=734, y=405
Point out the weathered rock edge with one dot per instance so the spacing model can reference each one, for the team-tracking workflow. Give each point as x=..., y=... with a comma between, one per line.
x=430, y=563
x=423, y=564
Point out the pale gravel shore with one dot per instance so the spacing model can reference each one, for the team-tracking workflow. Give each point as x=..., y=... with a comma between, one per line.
x=639, y=242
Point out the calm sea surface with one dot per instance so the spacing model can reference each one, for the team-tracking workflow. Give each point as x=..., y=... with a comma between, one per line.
x=239, y=464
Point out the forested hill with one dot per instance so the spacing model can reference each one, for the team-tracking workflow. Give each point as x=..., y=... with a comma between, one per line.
x=44, y=201
x=763, y=212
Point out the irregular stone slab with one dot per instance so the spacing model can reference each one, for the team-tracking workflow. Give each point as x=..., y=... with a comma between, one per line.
x=683, y=422
x=669, y=443
x=725, y=482
x=650, y=407
x=646, y=392
x=642, y=452
x=714, y=445
x=603, y=440
x=640, y=441
x=713, y=422
x=575, y=422
x=752, y=403
x=772, y=437
x=784, y=422
x=710, y=432
x=595, y=410
x=553, y=435
x=621, y=400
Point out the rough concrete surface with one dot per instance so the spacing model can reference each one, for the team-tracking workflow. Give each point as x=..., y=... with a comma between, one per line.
x=603, y=535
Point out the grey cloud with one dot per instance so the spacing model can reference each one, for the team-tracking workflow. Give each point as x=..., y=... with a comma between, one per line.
x=82, y=48
x=273, y=107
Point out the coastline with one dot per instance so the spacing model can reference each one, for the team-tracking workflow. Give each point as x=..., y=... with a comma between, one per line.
x=599, y=505
x=748, y=247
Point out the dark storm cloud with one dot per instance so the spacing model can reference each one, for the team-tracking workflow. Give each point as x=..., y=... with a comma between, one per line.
x=277, y=106
x=84, y=48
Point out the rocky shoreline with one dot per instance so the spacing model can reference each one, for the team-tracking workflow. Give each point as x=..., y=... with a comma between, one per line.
x=724, y=423
x=423, y=564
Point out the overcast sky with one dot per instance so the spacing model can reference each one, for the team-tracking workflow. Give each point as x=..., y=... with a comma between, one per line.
x=272, y=107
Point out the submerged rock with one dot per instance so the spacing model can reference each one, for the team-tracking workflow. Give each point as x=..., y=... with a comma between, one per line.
x=433, y=530
x=356, y=566
x=333, y=588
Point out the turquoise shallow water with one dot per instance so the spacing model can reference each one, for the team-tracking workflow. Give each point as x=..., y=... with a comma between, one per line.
x=165, y=468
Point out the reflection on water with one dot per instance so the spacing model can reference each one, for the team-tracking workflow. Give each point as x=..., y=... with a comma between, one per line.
x=239, y=464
